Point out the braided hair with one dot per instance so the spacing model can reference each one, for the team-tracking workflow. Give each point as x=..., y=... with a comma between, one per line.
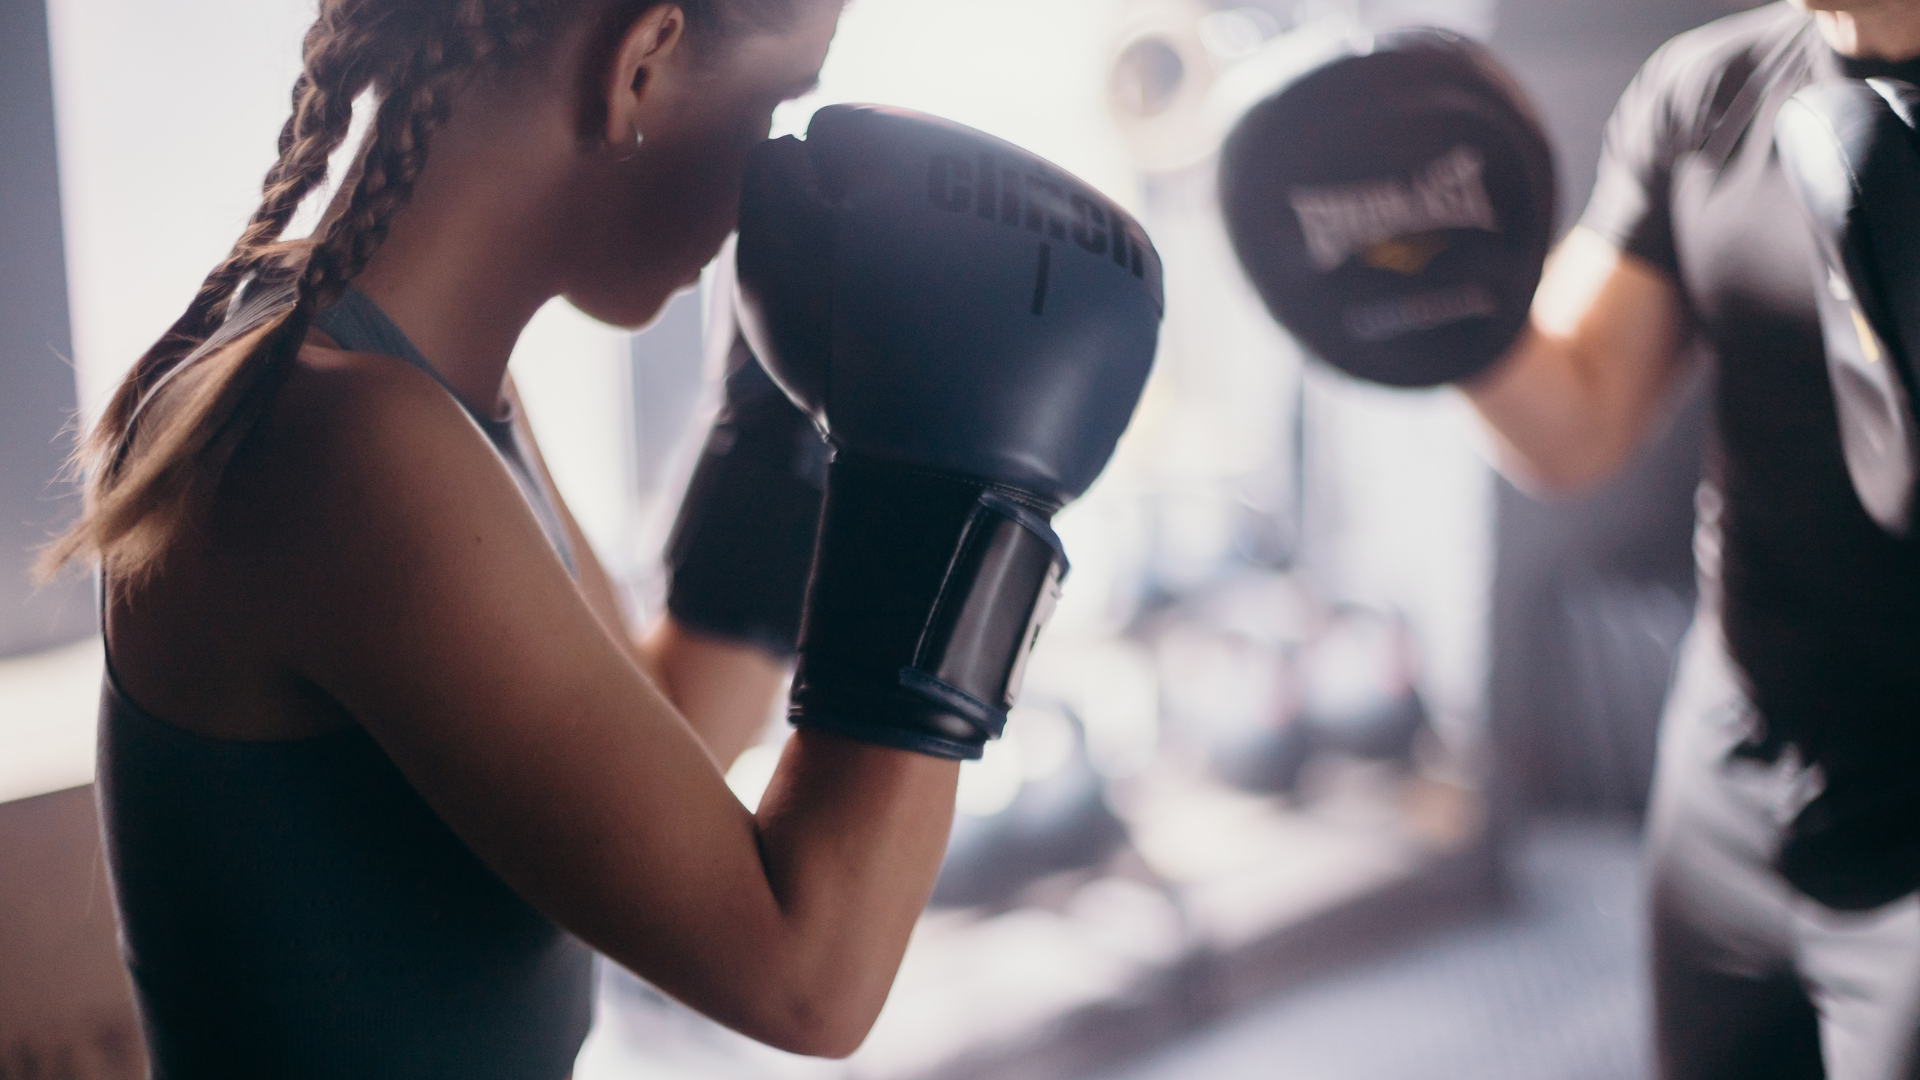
x=161, y=446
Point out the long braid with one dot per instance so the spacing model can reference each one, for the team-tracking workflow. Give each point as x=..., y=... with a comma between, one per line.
x=220, y=376
x=415, y=105
x=215, y=373
x=321, y=116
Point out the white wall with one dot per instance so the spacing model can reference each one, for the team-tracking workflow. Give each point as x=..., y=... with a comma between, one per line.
x=167, y=116
x=1032, y=72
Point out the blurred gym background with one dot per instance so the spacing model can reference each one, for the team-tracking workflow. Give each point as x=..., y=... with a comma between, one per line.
x=1332, y=763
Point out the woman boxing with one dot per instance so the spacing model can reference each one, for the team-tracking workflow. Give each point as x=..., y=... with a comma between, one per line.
x=374, y=729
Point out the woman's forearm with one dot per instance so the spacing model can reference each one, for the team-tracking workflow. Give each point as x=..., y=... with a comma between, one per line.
x=725, y=690
x=848, y=827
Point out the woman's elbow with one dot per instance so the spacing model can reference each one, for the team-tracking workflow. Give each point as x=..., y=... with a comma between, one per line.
x=818, y=1018
x=822, y=1029
x=835, y=1046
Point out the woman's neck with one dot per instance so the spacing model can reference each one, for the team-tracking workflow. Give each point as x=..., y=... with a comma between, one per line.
x=463, y=319
x=1887, y=30
x=479, y=247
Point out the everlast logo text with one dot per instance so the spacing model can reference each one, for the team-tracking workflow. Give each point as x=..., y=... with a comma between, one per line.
x=1342, y=220
x=1041, y=204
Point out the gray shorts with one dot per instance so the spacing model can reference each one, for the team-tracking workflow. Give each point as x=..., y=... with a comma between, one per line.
x=1752, y=979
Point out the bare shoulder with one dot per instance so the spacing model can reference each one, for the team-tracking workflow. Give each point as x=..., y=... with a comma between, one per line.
x=337, y=487
x=361, y=459
x=350, y=422
x=371, y=503
x=355, y=401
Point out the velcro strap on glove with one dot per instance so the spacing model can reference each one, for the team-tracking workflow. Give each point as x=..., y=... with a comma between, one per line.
x=928, y=596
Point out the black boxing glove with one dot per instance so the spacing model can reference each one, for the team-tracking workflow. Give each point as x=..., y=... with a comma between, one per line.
x=972, y=328
x=1392, y=201
x=1848, y=150
x=738, y=557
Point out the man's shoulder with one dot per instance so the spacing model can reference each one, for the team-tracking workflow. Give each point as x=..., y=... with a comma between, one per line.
x=1693, y=79
x=1703, y=57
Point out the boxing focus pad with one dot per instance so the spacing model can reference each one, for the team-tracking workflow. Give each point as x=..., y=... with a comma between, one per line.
x=1392, y=201
x=972, y=328
x=738, y=557
x=1849, y=152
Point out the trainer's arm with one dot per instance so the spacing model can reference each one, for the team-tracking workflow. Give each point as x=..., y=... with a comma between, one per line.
x=1582, y=386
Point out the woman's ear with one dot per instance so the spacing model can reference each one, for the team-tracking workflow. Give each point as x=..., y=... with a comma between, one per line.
x=643, y=50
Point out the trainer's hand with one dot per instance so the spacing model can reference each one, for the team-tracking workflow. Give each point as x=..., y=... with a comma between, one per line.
x=972, y=327
x=1849, y=151
x=1393, y=201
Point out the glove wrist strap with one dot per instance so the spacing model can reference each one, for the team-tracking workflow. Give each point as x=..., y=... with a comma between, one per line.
x=928, y=594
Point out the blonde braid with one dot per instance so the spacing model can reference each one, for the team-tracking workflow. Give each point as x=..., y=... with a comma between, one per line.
x=333, y=75
x=415, y=103
x=150, y=475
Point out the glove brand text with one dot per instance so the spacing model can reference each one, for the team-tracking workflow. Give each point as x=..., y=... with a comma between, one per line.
x=1340, y=220
x=1042, y=204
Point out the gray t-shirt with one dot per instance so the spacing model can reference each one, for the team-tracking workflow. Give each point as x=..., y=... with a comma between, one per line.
x=1821, y=607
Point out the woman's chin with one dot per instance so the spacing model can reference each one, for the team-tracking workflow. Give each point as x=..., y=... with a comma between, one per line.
x=633, y=311
x=636, y=305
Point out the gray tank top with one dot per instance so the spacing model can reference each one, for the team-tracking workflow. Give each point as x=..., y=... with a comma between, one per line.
x=295, y=909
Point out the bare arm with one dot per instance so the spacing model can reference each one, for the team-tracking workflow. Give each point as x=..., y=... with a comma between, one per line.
x=435, y=611
x=1584, y=383
x=725, y=691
